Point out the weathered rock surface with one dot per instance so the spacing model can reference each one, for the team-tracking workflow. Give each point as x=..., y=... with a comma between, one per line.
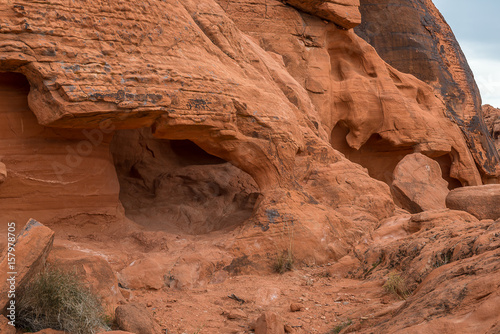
x=3, y=172
x=482, y=201
x=92, y=270
x=414, y=37
x=418, y=184
x=344, y=13
x=136, y=319
x=343, y=75
x=53, y=173
x=5, y=327
x=447, y=262
x=492, y=120
x=235, y=127
x=32, y=246
x=269, y=323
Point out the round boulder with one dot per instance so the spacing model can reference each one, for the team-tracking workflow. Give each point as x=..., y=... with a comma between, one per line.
x=483, y=202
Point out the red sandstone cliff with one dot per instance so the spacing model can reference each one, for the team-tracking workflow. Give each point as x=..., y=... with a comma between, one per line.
x=184, y=143
x=414, y=37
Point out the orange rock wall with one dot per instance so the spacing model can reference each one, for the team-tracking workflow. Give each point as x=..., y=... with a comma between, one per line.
x=51, y=172
x=414, y=37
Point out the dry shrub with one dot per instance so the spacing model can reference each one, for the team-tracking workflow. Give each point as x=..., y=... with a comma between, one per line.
x=56, y=299
x=397, y=285
x=283, y=262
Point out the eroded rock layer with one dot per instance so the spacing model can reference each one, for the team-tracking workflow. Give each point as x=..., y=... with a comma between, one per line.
x=414, y=37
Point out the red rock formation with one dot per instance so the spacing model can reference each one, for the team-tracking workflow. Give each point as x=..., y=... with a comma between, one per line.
x=418, y=185
x=414, y=37
x=373, y=114
x=492, y=120
x=235, y=136
x=51, y=173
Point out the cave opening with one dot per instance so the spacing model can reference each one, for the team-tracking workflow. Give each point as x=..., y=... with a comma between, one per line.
x=381, y=157
x=177, y=187
x=377, y=155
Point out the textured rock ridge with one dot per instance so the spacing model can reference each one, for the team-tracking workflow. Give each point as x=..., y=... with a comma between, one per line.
x=492, y=120
x=372, y=113
x=414, y=37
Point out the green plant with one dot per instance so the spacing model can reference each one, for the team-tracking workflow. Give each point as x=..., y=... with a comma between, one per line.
x=56, y=299
x=396, y=285
x=337, y=329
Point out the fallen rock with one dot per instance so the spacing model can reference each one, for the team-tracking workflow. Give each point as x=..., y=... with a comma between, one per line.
x=3, y=172
x=136, y=319
x=289, y=329
x=142, y=274
x=93, y=270
x=344, y=13
x=483, y=202
x=32, y=246
x=269, y=323
x=296, y=307
x=418, y=184
x=235, y=314
x=115, y=332
x=5, y=328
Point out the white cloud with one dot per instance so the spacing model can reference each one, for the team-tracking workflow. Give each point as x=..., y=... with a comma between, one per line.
x=486, y=71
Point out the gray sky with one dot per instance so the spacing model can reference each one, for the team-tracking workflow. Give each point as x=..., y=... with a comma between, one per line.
x=476, y=25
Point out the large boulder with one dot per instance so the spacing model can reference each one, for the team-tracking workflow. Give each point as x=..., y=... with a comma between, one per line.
x=418, y=185
x=344, y=13
x=482, y=201
x=31, y=248
x=94, y=271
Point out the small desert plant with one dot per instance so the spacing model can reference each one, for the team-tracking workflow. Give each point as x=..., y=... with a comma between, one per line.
x=56, y=299
x=396, y=285
x=284, y=259
x=337, y=329
x=283, y=262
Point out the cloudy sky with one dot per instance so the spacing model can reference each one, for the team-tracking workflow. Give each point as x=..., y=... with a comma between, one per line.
x=476, y=25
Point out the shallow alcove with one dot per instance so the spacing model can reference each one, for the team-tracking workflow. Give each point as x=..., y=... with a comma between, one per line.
x=377, y=155
x=381, y=157
x=175, y=186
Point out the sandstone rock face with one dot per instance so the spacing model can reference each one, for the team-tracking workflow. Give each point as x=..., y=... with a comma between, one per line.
x=447, y=263
x=342, y=74
x=52, y=172
x=136, y=319
x=5, y=327
x=492, y=120
x=32, y=246
x=211, y=85
x=241, y=113
x=94, y=271
x=418, y=185
x=3, y=172
x=344, y=13
x=413, y=37
x=482, y=201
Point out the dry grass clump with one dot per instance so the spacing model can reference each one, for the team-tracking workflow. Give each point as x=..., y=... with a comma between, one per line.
x=397, y=285
x=283, y=262
x=56, y=299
